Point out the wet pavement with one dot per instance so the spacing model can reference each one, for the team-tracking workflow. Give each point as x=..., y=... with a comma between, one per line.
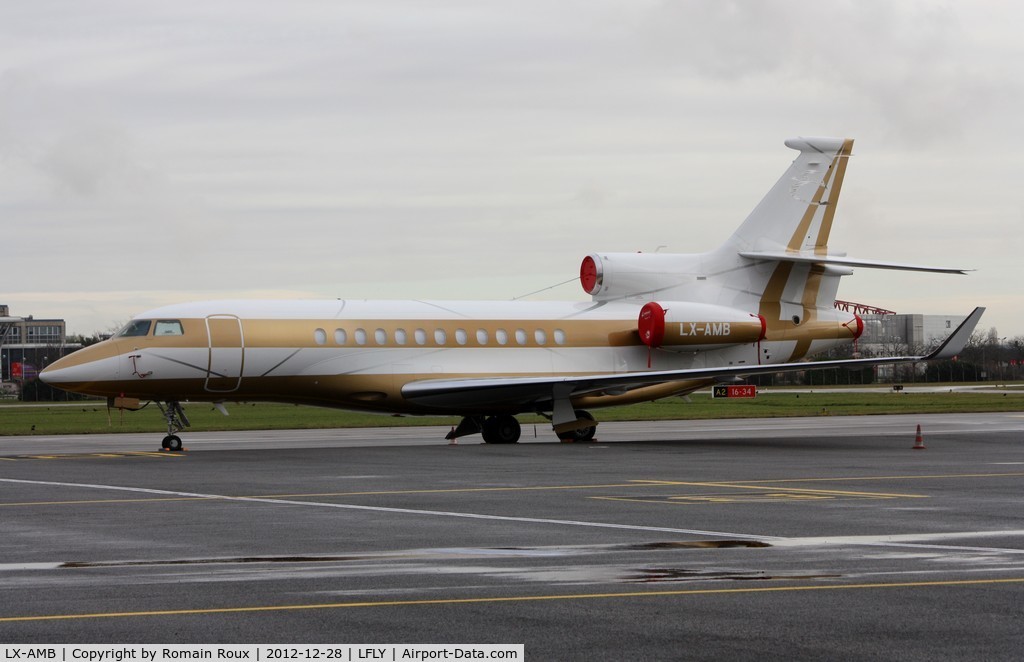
x=825, y=537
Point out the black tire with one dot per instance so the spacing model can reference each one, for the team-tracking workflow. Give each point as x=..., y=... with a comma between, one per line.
x=502, y=429
x=582, y=434
x=172, y=442
x=586, y=434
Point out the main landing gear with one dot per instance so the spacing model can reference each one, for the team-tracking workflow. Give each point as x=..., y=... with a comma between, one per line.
x=583, y=432
x=500, y=429
x=505, y=429
x=176, y=422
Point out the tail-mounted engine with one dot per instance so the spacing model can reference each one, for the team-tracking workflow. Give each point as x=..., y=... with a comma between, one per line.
x=620, y=275
x=697, y=326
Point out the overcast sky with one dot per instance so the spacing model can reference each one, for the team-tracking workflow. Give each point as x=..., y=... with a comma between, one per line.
x=154, y=153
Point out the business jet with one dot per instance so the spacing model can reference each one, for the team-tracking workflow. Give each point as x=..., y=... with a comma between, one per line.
x=657, y=325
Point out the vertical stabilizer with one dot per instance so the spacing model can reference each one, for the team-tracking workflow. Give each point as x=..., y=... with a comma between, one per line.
x=752, y=270
x=797, y=213
x=794, y=218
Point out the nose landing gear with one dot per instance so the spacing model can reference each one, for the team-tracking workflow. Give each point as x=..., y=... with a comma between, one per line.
x=176, y=422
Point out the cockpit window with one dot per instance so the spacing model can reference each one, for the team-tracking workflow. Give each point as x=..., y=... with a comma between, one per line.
x=136, y=328
x=168, y=328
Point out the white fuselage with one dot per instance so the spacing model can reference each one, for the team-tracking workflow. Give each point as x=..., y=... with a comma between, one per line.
x=359, y=354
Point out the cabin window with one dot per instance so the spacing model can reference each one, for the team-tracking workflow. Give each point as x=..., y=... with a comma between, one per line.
x=521, y=336
x=559, y=337
x=320, y=336
x=421, y=336
x=461, y=336
x=340, y=336
x=540, y=336
x=136, y=328
x=501, y=335
x=168, y=328
x=400, y=336
x=440, y=337
x=360, y=336
x=481, y=337
x=380, y=336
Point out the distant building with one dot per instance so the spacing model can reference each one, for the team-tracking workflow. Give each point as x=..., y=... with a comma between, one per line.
x=27, y=345
x=896, y=334
x=916, y=333
x=30, y=331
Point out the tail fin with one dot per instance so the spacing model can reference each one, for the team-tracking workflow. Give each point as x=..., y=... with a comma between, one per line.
x=778, y=259
x=794, y=217
x=776, y=263
x=797, y=213
x=753, y=267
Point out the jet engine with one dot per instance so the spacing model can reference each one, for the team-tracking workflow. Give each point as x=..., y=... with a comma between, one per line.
x=619, y=275
x=688, y=326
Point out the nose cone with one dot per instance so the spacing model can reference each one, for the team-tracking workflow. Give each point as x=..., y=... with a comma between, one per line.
x=85, y=371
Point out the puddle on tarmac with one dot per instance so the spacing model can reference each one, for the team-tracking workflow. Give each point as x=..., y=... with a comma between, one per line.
x=436, y=553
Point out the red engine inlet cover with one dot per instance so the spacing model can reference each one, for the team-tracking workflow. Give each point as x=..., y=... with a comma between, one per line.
x=590, y=275
x=652, y=324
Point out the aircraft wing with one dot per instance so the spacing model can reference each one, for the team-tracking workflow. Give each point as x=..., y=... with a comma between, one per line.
x=530, y=391
x=842, y=261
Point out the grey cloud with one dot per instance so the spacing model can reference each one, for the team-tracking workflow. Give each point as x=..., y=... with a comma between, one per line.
x=324, y=146
x=912, y=67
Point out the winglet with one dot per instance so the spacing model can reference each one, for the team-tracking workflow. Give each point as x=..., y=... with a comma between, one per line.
x=957, y=340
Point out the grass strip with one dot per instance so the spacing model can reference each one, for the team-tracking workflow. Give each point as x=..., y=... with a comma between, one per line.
x=93, y=417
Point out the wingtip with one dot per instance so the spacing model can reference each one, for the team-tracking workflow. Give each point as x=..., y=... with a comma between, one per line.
x=956, y=341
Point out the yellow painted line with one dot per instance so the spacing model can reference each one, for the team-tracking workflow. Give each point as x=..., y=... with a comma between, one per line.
x=796, y=490
x=323, y=494
x=703, y=499
x=150, y=454
x=846, y=479
x=539, y=488
x=743, y=498
x=524, y=598
x=649, y=500
x=90, y=456
x=697, y=500
x=457, y=490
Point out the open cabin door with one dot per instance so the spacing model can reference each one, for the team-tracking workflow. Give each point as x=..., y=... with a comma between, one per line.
x=227, y=353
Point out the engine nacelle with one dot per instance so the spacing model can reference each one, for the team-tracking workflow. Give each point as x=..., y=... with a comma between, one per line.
x=695, y=326
x=616, y=275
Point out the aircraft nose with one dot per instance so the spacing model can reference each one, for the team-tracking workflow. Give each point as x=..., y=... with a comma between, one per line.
x=81, y=371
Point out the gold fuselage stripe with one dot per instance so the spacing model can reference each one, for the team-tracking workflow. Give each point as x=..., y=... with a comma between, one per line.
x=808, y=328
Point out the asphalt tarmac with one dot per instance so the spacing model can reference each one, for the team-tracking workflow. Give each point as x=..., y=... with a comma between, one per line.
x=817, y=538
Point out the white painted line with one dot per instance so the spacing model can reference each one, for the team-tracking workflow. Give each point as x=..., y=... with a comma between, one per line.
x=7, y=567
x=405, y=511
x=910, y=540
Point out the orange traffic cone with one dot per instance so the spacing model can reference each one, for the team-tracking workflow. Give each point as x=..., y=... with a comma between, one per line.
x=919, y=440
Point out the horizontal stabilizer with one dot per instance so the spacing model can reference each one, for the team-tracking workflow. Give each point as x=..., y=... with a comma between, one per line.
x=838, y=261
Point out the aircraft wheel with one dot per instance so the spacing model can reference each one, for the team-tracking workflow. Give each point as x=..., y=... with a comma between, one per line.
x=583, y=434
x=172, y=442
x=503, y=429
x=586, y=434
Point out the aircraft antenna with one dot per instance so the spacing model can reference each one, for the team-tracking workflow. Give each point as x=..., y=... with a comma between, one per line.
x=545, y=289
